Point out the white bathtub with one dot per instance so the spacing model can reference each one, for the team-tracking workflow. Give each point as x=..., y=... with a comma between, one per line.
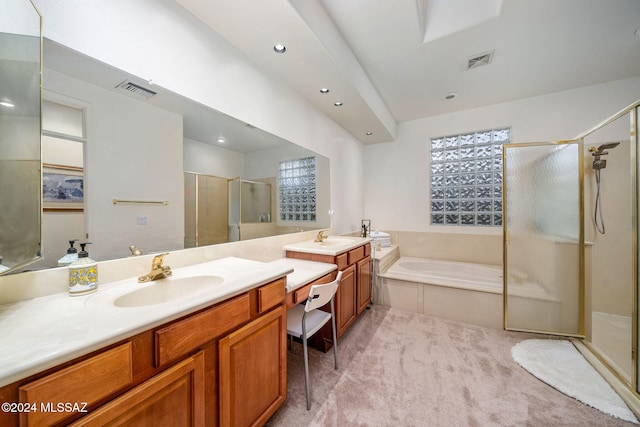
x=462, y=275
x=466, y=292
x=461, y=291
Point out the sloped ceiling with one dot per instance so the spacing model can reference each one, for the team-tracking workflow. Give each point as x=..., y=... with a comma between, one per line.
x=395, y=61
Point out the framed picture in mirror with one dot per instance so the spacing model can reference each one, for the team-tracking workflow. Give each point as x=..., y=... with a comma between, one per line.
x=62, y=188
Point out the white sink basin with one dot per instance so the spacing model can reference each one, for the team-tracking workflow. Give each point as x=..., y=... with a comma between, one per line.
x=168, y=290
x=330, y=242
x=332, y=245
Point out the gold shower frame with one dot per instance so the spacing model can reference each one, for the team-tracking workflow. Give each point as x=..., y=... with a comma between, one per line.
x=505, y=237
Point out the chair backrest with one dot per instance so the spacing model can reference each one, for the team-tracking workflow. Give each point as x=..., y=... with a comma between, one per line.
x=319, y=295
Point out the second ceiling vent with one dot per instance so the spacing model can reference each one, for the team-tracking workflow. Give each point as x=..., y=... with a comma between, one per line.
x=479, y=60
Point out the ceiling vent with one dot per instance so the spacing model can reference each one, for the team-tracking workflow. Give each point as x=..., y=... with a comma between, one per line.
x=135, y=89
x=479, y=60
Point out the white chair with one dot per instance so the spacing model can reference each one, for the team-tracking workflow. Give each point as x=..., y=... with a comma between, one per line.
x=305, y=320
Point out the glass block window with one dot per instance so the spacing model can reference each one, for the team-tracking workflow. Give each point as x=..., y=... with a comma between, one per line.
x=297, y=188
x=466, y=178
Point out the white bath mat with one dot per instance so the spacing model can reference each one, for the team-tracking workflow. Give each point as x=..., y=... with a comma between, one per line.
x=560, y=364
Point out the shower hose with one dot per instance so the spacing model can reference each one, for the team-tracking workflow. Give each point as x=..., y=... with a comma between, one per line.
x=598, y=209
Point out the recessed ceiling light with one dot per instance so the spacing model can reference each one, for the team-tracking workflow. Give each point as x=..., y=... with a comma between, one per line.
x=7, y=104
x=369, y=133
x=450, y=96
x=279, y=48
x=338, y=104
x=324, y=90
x=221, y=140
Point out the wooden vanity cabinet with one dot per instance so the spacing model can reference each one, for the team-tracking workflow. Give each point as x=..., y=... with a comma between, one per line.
x=354, y=292
x=223, y=365
x=345, y=300
x=364, y=284
x=253, y=370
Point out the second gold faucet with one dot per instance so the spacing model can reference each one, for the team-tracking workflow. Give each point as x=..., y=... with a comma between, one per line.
x=320, y=237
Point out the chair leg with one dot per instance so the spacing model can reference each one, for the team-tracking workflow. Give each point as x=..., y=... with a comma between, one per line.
x=335, y=339
x=306, y=371
x=335, y=350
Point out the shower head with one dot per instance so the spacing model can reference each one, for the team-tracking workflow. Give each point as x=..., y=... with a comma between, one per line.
x=600, y=150
x=599, y=163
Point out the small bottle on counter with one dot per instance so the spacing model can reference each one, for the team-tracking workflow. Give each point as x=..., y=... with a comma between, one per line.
x=83, y=274
x=70, y=257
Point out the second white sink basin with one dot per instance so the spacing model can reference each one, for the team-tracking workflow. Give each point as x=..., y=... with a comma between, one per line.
x=168, y=290
x=332, y=245
x=335, y=242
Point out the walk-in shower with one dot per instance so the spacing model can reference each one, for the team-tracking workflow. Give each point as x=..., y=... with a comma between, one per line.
x=591, y=278
x=598, y=165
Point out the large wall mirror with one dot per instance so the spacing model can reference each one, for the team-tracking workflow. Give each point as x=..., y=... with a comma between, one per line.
x=20, y=89
x=121, y=158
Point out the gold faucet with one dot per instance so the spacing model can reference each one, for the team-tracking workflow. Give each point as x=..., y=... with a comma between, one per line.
x=158, y=271
x=321, y=236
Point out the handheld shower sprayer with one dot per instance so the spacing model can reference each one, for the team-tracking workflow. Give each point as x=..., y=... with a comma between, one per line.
x=598, y=165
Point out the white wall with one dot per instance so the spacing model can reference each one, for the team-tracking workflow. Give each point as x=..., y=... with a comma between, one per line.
x=133, y=152
x=184, y=56
x=397, y=173
x=203, y=158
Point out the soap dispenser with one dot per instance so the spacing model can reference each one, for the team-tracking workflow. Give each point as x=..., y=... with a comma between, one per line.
x=3, y=268
x=70, y=257
x=83, y=274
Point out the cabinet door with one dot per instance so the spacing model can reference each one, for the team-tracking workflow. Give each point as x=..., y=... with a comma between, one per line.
x=345, y=300
x=174, y=397
x=253, y=370
x=364, y=284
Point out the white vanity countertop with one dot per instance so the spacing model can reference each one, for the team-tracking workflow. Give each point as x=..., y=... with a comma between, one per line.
x=44, y=332
x=303, y=271
x=332, y=245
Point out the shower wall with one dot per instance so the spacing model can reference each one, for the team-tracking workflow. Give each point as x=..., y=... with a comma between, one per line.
x=251, y=206
x=610, y=265
x=611, y=252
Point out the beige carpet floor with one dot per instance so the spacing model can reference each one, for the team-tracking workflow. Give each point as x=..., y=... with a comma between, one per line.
x=399, y=368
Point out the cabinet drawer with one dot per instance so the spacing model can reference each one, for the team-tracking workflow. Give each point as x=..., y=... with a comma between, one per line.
x=184, y=336
x=301, y=294
x=171, y=398
x=356, y=254
x=271, y=295
x=342, y=261
x=87, y=381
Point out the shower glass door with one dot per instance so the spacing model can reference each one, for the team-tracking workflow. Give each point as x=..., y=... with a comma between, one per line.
x=543, y=237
